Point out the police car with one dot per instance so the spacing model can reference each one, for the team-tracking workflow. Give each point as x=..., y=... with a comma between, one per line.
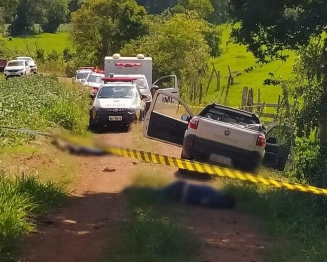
x=118, y=102
x=82, y=73
x=94, y=80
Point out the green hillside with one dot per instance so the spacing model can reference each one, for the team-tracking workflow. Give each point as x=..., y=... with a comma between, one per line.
x=239, y=59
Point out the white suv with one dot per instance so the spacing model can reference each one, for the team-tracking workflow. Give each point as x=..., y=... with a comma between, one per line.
x=17, y=68
x=31, y=62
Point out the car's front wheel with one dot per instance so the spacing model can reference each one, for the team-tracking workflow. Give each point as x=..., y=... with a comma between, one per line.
x=92, y=126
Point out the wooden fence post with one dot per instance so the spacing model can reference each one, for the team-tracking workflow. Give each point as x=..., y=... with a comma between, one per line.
x=218, y=80
x=250, y=99
x=259, y=105
x=244, y=97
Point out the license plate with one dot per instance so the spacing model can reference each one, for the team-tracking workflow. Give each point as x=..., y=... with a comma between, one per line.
x=221, y=159
x=115, y=118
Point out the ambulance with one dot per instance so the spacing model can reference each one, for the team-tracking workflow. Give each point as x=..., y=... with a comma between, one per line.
x=140, y=67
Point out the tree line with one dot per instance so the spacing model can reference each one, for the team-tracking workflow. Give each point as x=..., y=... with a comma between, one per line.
x=22, y=15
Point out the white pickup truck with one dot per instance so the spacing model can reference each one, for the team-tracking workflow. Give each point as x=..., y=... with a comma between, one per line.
x=218, y=135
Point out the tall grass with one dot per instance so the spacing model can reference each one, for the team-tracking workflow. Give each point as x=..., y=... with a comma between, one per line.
x=41, y=103
x=21, y=200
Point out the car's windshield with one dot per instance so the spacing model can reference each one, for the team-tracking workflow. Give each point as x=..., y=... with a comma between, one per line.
x=82, y=75
x=16, y=63
x=94, y=79
x=117, y=92
x=229, y=117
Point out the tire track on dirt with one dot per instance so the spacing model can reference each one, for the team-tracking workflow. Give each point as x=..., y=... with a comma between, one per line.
x=75, y=232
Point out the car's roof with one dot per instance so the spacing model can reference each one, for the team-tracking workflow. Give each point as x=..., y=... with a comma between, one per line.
x=96, y=74
x=18, y=57
x=119, y=84
x=130, y=75
x=84, y=70
x=15, y=60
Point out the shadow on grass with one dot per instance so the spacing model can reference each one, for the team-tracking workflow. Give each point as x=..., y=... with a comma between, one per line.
x=154, y=232
x=295, y=220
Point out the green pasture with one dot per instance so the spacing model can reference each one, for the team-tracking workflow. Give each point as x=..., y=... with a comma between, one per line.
x=237, y=58
x=45, y=41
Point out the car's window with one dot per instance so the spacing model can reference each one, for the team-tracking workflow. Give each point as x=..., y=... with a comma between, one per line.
x=82, y=75
x=141, y=83
x=117, y=92
x=15, y=63
x=94, y=79
x=26, y=64
x=228, y=116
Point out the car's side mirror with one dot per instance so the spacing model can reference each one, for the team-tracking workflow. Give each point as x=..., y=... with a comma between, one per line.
x=154, y=87
x=272, y=140
x=185, y=117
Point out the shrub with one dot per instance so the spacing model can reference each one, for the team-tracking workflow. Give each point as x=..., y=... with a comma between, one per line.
x=21, y=199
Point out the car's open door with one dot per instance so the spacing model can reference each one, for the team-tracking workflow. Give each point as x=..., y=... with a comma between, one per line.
x=168, y=86
x=167, y=122
x=278, y=147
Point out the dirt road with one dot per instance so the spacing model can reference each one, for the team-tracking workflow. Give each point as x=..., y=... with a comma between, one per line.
x=79, y=231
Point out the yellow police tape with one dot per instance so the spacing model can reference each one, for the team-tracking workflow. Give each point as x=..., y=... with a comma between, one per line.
x=203, y=168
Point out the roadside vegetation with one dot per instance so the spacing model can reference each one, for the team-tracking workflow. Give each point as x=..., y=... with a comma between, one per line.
x=185, y=38
x=40, y=103
x=22, y=200
x=37, y=103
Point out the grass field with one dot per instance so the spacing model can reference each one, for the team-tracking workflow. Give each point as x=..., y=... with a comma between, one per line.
x=239, y=59
x=47, y=42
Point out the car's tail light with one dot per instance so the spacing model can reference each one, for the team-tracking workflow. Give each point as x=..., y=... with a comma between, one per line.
x=261, y=140
x=95, y=90
x=194, y=123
